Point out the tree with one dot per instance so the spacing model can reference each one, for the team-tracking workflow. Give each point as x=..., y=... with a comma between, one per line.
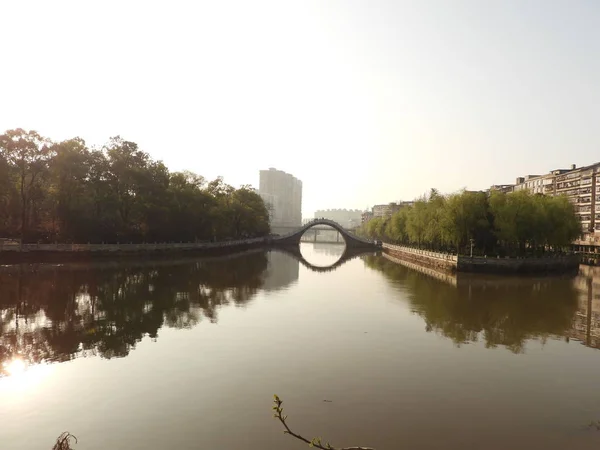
x=126, y=164
x=514, y=218
x=465, y=218
x=398, y=225
x=8, y=198
x=68, y=184
x=66, y=192
x=29, y=153
x=417, y=221
x=562, y=224
x=249, y=213
x=515, y=223
x=434, y=219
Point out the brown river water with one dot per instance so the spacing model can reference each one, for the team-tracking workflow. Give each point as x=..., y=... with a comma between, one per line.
x=187, y=354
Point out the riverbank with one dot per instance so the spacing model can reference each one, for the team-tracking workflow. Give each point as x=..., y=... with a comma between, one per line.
x=452, y=263
x=14, y=253
x=108, y=262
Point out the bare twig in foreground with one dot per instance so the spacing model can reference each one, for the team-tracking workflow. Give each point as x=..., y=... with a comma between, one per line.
x=315, y=442
x=64, y=441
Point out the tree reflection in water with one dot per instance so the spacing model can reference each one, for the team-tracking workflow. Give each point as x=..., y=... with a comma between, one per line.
x=58, y=313
x=501, y=311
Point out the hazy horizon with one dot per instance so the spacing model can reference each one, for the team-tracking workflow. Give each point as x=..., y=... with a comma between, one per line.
x=365, y=102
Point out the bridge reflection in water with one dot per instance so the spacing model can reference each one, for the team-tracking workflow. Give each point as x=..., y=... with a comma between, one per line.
x=323, y=235
x=348, y=254
x=283, y=263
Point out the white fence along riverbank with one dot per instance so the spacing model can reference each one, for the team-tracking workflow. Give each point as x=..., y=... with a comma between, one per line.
x=439, y=261
x=452, y=263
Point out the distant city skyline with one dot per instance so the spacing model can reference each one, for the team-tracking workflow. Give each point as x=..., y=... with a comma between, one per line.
x=365, y=102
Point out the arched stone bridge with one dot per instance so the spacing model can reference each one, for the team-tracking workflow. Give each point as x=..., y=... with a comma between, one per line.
x=351, y=240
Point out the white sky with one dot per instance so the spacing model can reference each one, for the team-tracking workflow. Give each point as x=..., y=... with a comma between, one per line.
x=366, y=102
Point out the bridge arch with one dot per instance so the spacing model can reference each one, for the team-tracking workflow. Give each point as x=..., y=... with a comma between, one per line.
x=351, y=240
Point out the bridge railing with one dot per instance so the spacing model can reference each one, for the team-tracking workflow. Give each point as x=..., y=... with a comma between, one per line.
x=416, y=251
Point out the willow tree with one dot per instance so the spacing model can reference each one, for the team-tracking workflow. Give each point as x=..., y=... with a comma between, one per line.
x=466, y=217
x=416, y=223
x=526, y=221
x=563, y=227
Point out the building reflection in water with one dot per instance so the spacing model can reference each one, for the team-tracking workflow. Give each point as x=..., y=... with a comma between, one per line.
x=586, y=323
x=282, y=271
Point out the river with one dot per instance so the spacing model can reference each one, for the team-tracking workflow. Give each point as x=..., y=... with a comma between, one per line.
x=187, y=354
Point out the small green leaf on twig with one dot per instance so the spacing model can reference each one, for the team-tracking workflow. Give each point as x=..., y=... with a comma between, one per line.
x=314, y=442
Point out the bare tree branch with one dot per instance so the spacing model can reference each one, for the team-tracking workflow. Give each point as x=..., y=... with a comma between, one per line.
x=64, y=441
x=315, y=442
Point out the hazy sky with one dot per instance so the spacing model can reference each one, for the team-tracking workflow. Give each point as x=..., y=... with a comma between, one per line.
x=366, y=102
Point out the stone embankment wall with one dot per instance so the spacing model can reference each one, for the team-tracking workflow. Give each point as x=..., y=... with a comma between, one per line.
x=439, y=261
x=451, y=263
x=550, y=264
x=71, y=262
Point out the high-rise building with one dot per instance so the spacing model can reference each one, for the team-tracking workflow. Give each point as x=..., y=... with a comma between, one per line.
x=282, y=193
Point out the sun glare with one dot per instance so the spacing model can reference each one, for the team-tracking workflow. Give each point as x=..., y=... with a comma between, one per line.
x=15, y=367
x=21, y=377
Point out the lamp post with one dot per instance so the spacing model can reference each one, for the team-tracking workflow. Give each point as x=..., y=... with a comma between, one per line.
x=471, y=247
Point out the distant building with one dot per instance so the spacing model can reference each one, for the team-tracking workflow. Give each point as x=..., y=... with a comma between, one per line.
x=348, y=218
x=389, y=209
x=384, y=210
x=282, y=194
x=504, y=188
x=366, y=216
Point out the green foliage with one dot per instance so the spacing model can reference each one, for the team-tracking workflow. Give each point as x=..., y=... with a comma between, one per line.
x=68, y=193
x=516, y=223
x=523, y=220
